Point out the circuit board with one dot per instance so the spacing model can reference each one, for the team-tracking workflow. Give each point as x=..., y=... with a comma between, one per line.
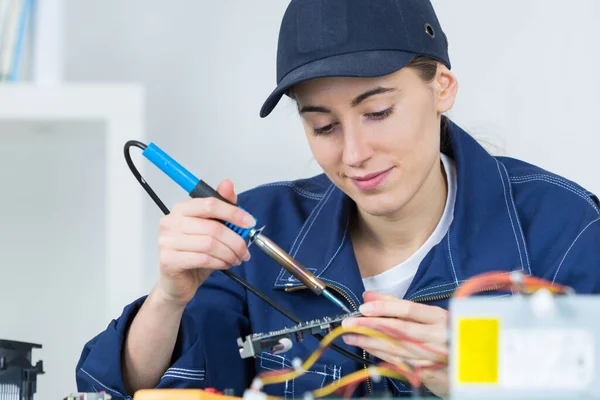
x=281, y=341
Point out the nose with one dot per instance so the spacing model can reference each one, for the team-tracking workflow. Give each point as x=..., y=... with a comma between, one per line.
x=357, y=149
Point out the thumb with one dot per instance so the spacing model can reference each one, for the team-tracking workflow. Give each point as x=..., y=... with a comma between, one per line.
x=225, y=189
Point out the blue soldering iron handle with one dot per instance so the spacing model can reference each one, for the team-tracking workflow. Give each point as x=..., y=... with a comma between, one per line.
x=195, y=187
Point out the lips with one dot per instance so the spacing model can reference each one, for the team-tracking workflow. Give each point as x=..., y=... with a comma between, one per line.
x=371, y=181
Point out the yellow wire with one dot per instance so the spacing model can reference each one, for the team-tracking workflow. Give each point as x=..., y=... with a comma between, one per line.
x=334, y=334
x=348, y=379
x=362, y=374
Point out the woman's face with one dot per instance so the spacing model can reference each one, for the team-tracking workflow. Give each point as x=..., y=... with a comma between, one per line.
x=377, y=139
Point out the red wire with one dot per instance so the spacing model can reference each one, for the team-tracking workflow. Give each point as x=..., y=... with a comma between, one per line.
x=505, y=280
x=403, y=337
x=347, y=390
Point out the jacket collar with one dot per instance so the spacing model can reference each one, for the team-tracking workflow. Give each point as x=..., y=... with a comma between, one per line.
x=485, y=235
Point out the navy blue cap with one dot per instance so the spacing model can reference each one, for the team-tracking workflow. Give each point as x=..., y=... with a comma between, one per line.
x=358, y=38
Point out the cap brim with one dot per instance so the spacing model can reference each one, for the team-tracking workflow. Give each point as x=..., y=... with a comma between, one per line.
x=364, y=64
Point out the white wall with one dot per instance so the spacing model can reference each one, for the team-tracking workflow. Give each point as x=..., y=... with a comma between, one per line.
x=526, y=70
x=207, y=66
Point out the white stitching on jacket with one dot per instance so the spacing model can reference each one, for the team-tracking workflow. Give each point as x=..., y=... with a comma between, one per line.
x=571, y=246
x=451, y=260
x=557, y=182
x=322, y=205
x=509, y=216
x=178, y=376
x=512, y=199
x=103, y=385
x=296, y=188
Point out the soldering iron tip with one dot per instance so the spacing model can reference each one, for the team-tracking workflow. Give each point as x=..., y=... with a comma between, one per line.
x=335, y=300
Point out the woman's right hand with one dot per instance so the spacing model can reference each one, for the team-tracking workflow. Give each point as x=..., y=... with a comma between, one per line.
x=193, y=242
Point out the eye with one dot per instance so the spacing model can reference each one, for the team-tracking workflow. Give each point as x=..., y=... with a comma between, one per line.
x=381, y=114
x=324, y=130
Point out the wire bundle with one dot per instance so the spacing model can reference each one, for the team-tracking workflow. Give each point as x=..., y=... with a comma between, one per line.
x=514, y=281
x=347, y=385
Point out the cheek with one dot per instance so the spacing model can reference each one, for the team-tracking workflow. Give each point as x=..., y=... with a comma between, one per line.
x=326, y=153
x=412, y=143
x=403, y=140
x=412, y=135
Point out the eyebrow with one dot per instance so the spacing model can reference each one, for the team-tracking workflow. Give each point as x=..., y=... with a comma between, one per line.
x=355, y=102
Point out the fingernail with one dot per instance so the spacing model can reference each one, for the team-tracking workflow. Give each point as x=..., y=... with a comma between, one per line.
x=246, y=255
x=365, y=308
x=349, y=339
x=248, y=221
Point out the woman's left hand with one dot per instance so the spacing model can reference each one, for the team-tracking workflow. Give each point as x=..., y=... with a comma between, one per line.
x=401, y=318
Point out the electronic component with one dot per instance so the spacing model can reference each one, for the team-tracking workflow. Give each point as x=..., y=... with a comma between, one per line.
x=281, y=341
x=89, y=396
x=182, y=394
x=18, y=376
x=539, y=346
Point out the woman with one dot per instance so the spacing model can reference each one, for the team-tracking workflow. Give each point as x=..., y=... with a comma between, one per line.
x=409, y=206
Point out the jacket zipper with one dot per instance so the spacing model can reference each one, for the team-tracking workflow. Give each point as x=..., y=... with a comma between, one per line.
x=355, y=308
x=450, y=294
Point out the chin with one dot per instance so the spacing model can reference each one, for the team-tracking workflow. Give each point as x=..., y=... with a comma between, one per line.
x=379, y=206
x=378, y=211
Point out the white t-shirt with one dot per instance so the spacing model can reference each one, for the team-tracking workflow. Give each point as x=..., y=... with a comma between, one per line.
x=397, y=280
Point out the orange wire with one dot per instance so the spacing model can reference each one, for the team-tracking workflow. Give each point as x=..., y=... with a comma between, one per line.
x=350, y=388
x=503, y=280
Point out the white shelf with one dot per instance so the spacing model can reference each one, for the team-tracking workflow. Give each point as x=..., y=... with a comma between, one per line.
x=121, y=108
x=71, y=212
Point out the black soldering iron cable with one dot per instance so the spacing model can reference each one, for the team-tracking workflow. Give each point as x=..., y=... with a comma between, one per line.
x=245, y=284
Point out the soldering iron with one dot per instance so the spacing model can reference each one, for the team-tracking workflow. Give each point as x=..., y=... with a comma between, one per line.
x=242, y=282
x=197, y=188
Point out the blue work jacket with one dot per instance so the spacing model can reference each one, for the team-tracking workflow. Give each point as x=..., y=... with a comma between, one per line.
x=509, y=215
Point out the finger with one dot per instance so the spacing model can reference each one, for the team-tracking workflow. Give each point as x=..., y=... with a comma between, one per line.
x=199, y=226
x=420, y=365
x=200, y=244
x=214, y=208
x=226, y=190
x=373, y=296
x=372, y=344
x=406, y=349
x=400, y=329
x=173, y=261
x=404, y=309
x=175, y=226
